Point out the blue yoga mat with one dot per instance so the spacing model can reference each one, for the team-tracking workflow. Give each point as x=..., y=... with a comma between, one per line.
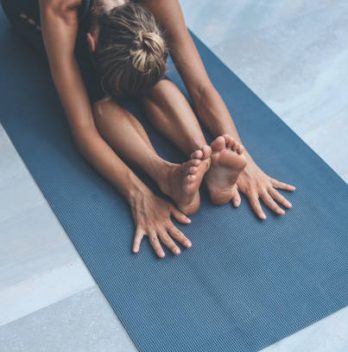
x=245, y=284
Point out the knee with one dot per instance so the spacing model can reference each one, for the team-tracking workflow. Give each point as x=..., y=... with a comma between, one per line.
x=159, y=89
x=99, y=110
x=162, y=84
x=105, y=111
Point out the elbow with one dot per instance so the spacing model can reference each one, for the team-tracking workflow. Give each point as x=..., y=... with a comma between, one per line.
x=59, y=8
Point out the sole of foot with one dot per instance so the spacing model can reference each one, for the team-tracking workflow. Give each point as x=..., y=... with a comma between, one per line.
x=227, y=162
x=184, y=180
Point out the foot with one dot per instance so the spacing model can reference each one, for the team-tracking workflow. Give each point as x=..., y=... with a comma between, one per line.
x=182, y=182
x=227, y=162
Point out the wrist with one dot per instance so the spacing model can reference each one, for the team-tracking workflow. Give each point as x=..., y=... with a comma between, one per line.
x=135, y=188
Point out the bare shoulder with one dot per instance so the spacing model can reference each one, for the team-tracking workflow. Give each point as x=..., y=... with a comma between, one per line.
x=60, y=5
x=103, y=6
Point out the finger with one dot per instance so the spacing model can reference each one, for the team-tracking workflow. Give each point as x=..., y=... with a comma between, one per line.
x=156, y=245
x=179, y=216
x=281, y=185
x=236, y=200
x=256, y=206
x=138, y=236
x=169, y=243
x=268, y=200
x=279, y=198
x=179, y=236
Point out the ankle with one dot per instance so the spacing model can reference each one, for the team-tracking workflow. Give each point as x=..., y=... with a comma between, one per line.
x=162, y=172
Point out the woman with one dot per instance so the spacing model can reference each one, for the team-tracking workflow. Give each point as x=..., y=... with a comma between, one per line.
x=119, y=33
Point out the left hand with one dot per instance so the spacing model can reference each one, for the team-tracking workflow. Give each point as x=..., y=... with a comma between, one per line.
x=256, y=185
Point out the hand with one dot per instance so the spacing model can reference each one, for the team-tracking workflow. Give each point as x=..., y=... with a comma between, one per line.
x=256, y=185
x=152, y=216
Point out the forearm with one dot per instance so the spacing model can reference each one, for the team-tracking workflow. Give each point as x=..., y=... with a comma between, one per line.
x=213, y=112
x=108, y=164
x=207, y=101
x=59, y=27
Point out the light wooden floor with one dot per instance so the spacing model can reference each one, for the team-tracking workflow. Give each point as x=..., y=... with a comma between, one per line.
x=294, y=55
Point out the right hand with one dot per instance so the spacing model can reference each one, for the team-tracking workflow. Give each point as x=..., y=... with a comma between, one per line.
x=152, y=216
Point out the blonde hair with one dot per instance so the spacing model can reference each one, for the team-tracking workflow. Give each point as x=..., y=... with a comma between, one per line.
x=131, y=53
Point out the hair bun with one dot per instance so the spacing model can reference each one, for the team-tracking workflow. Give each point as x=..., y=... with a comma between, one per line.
x=148, y=47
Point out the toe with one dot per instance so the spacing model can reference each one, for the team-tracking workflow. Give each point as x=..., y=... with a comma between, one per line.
x=198, y=154
x=240, y=148
x=233, y=144
x=192, y=170
x=191, y=178
x=228, y=140
x=206, y=150
x=218, y=144
x=195, y=162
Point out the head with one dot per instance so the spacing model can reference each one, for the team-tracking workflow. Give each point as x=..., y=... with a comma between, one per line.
x=129, y=50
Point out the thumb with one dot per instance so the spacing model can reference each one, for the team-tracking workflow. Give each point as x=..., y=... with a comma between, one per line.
x=179, y=216
x=236, y=200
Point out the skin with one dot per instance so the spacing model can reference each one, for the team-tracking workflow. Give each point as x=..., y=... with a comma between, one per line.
x=97, y=141
x=169, y=112
x=125, y=134
x=151, y=214
x=212, y=111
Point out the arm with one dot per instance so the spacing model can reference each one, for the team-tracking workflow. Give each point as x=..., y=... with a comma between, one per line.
x=59, y=27
x=207, y=101
x=210, y=107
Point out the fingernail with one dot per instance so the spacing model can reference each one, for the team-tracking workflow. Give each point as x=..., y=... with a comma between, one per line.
x=281, y=212
x=188, y=220
x=263, y=217
x=177, y=251
x=189, y=244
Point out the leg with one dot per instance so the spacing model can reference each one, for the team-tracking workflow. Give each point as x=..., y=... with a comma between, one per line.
x=126, y=136
x=169, y=111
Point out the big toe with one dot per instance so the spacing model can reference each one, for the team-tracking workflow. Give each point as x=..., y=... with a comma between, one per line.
x=218, y=144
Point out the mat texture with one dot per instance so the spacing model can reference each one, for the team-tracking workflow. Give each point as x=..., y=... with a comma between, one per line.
x=245, y=284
